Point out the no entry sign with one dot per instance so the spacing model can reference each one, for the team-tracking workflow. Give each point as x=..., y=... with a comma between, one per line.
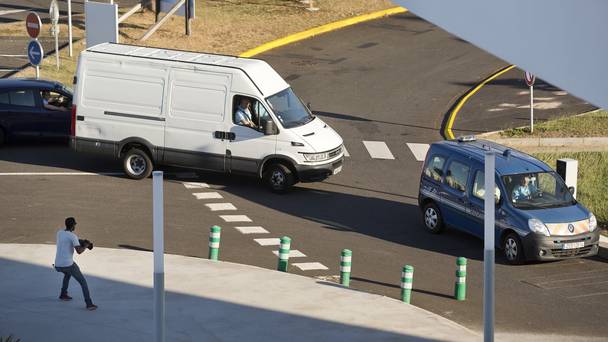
x=530, y=79
x=33, y=25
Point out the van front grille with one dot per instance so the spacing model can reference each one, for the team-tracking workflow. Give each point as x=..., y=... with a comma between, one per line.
x=335, y=152
x=565, y=253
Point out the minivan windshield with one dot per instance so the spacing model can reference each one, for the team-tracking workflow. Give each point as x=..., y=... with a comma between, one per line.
x=537, y=190
x=288, y=108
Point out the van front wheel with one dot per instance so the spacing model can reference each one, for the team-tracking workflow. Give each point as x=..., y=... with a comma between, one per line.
x=513, y=249
x=279, y=178
x=137, y=164
x=432, y=218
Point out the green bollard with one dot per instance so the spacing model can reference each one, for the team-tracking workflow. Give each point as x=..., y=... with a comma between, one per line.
x=460, y=288
x=284, y=253
x=214, y=243
x=407, y=280
x=345, y=264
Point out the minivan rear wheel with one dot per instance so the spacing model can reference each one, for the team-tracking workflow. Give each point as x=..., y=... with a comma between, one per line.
x=432, y=218
x=137, y=164
x=279, y=178
x=513, y=249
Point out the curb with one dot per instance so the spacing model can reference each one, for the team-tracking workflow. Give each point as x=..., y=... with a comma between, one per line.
x=554, y=142
x=321, y=29
x=447, y=129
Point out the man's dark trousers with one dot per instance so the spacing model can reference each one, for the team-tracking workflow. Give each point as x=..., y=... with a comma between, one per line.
x=74, y=271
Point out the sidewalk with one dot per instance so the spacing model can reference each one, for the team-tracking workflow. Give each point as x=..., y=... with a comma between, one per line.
x=205, y=301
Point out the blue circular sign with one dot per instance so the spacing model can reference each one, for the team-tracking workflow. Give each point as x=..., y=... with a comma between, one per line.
x=35, y=52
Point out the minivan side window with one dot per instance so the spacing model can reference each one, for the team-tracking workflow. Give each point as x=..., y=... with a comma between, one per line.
x=457, y=175
x=479, y=186
x=434, y=168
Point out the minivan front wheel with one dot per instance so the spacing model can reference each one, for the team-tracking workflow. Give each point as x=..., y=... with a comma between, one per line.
x=137, y=164
x=513, y=249
x=279, y=178
x=432, y=218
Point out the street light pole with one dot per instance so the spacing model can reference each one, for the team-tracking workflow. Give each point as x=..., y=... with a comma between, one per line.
x=488, y=256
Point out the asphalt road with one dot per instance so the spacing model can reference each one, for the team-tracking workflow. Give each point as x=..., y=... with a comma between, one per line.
x=390, y=80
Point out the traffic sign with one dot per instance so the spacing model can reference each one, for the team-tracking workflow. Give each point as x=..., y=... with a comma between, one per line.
x=35, y=52
x=530, y=79
x=33, y=25
x=54, y=12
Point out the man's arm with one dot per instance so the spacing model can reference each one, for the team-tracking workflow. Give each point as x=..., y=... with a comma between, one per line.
x=79, y=249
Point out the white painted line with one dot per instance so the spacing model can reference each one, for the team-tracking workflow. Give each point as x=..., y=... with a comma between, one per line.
x=195, y=185
x=7, y=12
x=294, y=253
x=346, y=154
x=603, y=238
x=220, y=206
x=251, y=230
x=419, y=150
x=268, y=242
x=235, y=218
x=13, y=56
x=378, y=150
x=61, y=173
x=310, y=266
x=207, y=195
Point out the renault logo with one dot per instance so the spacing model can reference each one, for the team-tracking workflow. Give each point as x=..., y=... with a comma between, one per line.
x=571, y=228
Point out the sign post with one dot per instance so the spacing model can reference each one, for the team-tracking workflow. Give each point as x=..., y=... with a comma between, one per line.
x=70, y=28
x=159, y=256
x=54, y=15
x=34, y=49
x=488, y=255
x=530, y=79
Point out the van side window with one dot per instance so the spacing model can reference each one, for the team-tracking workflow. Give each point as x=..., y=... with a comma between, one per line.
x=434, y=169
x=457, y=175
x=249, y=112
x=479, y=185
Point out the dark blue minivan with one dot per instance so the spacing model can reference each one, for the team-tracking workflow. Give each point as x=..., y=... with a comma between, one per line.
x=537, y=218
x=34, y=108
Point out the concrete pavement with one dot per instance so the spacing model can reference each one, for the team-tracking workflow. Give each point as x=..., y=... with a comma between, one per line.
x=205, y=301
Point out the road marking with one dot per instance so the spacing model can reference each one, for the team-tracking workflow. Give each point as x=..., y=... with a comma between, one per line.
x=220, y=206
x=235, y=218
x=207, y=195
x=7, y=12
x=24, y=56
x=294, y=253
x=195, y=185
x=378, y=150
x=346, y=154
x=251, y=230
x=310, y=266
x=419, y=150
x=589, y=295
x=61, y=173
x=268, y=242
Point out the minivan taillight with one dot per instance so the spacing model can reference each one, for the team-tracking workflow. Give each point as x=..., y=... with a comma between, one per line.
x=73, y=127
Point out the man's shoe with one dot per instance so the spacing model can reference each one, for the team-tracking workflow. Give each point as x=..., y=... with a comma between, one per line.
x=91, y=307
x=65, y=297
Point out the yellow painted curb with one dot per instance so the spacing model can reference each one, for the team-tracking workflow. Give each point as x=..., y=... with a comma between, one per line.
x=448, y=127
x=321, y=29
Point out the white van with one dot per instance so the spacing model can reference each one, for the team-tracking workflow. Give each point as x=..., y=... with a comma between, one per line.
x=150, y=106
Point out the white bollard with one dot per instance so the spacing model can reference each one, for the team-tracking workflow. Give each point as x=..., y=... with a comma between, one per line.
x=568, y=169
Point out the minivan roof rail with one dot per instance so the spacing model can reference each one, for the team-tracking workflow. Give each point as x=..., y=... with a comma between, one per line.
x=466, y=138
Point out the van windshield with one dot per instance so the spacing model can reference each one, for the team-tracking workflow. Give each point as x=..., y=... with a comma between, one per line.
x=537, y=190
x=288, y=108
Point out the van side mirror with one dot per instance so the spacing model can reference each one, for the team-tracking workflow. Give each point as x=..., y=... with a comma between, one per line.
x=309, y=106
x=497, y=200
x=269, y=128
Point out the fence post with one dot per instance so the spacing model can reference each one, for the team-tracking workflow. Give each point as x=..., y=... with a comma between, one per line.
x=214, y=242
x=284, y=253
x=460, y=287
x=345, y=264
x=407, y=280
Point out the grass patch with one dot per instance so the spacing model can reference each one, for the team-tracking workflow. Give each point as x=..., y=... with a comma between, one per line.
x=221, y=26
x=592, y=124
x=592, y=180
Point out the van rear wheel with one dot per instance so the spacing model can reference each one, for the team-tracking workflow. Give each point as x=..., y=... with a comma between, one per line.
x=432, y=218
x=279, y=178
x=137, y=164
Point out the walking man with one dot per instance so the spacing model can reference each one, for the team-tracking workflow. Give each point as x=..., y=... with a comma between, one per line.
x=67, y=242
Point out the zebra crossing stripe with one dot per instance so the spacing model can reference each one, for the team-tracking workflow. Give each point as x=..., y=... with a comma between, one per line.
x=207, y=195
x=294, y=253
x=251, y=230
x=378, y=150
x=310, y=266
x=346, y=154
x=268, y=242
x=235, y=218
x=220, y=206
x=418, y=150
x=195, y=185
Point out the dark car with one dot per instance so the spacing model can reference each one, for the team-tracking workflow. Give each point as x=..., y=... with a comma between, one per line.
x=34, y=108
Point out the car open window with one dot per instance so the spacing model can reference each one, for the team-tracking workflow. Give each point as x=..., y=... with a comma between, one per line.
x=259, y=114
x=457, y=175
x=434, y=168
x=24, y=98
x=479, y=186
x=52, y=100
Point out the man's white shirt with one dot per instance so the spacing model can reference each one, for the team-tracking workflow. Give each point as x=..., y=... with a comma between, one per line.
x=66, y=241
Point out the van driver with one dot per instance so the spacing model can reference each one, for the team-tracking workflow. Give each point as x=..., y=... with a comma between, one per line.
x=243, y=113
x=524, y=190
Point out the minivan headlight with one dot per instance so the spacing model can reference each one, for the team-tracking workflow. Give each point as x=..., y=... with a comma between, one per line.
x=592, y=223
x=314, y=157
x=538, y=227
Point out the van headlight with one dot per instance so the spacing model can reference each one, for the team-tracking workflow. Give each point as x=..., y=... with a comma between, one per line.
x=592, y=223
x=538, y=227
x=315, y=157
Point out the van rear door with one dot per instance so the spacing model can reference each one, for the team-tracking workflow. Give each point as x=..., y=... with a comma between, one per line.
x=196, y=109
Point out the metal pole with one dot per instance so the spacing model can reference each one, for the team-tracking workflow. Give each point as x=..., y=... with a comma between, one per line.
x=37, y=72
x=488, y=259
x=159, y=267
x=532, y=109
x=57, y=46
x=70, y=28
x=187, y=16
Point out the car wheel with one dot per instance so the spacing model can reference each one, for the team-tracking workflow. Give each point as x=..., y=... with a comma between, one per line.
x=279, y=178
x=432, y=218
x=137, y=164
x=513, y=249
